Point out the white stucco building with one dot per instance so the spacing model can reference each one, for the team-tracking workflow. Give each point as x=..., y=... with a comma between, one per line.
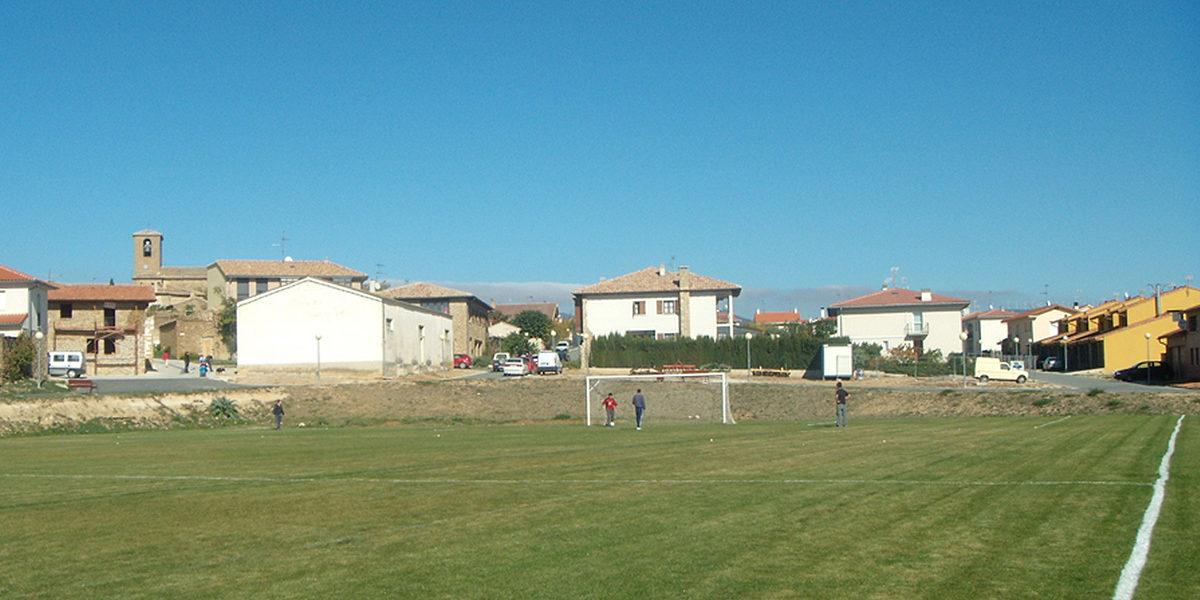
x=284, y=329
x=1036, y=325
x=896, y=317
x=23, y=303
x=655, y=302
x=986, y=331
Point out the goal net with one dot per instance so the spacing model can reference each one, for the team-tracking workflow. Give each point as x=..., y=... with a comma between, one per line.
x=702, y=397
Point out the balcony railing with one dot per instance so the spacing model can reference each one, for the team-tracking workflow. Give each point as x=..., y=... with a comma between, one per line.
x=916, y=330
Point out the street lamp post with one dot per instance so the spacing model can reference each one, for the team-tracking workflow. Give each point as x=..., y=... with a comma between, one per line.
x=41, y=350
x=1065, y=365
x=318, y=338
x=748, y=373
x=1149, y=371
x=962, y=335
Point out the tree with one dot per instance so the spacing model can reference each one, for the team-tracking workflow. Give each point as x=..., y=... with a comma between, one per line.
x=533, y=324
x=18, y=360
x=516, y=344
x=226, y=322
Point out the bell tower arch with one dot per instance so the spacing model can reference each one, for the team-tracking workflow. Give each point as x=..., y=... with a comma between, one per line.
x=147, y=253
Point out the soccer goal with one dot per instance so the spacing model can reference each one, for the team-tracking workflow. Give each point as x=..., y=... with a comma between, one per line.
x=670, y=396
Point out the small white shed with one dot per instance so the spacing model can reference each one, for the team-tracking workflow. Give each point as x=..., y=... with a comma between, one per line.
x=314, y=322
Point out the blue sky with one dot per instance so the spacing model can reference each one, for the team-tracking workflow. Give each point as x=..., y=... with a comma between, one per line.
x=1007, y=152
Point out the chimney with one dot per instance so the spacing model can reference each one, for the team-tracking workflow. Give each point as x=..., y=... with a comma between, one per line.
x=926, y=295
x=685, y=278
x=662, y=270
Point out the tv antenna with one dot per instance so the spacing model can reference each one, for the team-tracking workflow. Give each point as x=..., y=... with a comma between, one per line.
x=282, y=249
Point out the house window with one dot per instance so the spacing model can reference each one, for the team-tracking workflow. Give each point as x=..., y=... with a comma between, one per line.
x=110, y=317
x=260, y=286
x=243, y=289
x=390, y=326
x=64, y=310
x=110, y=347
x=1193, y=321
x=91, y=346
x=639, y=307
x=666, y=307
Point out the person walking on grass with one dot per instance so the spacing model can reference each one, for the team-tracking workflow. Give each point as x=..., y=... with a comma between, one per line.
x=278, y=412
x=610, y=410
x=639, y=406
x=840, y=395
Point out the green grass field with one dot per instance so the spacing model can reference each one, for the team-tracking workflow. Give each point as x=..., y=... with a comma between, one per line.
x=902, y=508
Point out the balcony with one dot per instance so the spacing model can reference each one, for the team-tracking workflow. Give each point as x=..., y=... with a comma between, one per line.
x=916, y=330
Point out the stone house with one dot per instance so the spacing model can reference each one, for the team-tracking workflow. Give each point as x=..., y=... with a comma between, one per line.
x=106, y=322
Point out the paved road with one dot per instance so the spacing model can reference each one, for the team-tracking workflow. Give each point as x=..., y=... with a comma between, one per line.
x=1112, y=386
x=167, y=376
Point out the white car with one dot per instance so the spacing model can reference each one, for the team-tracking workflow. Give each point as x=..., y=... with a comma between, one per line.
x=562, y=346
x=516, y=367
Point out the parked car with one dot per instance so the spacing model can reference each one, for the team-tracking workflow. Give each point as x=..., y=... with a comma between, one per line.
x=1147, y=370
x=547, y=362
x=462, y=361
x=992, y=368
x=562, y=346
x=516, y=367
x=498, y=360
x=71, y=364
x=1052, y=363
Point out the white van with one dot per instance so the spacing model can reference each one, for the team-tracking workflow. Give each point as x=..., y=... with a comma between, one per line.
x=991, y=368
x=547, y=362
x=71, y=364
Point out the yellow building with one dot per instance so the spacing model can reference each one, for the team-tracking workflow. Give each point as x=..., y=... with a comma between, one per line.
x=1120, y=333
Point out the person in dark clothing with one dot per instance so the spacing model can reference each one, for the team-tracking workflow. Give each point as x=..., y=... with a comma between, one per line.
x=840, y=395
x=278, y=412
x=187, y=361
x=639, y=406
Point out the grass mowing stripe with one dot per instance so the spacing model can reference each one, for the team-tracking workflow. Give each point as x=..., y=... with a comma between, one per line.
x=455, y=481
x=1141, y=547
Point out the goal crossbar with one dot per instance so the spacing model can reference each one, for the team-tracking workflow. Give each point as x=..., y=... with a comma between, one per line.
x=726, y=414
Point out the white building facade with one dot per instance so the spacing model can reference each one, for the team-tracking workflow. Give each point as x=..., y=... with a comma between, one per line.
x=986, y=332
x=312, y=321
x=896, y=317
x=1037, y=324
x=23, y=303
x=655, y=303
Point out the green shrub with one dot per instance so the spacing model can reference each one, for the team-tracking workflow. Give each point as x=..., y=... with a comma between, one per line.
x=1094, y=392
x=223, y=408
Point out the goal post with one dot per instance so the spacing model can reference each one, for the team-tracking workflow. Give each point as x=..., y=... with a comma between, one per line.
x=703, y=396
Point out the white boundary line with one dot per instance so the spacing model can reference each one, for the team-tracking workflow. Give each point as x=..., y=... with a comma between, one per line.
x=448, y=481
x=1052, y=422
x=1141, y=547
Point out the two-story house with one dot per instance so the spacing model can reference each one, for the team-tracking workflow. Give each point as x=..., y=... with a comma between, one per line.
x=1119, y=333
x=469, y=314
x=1183, y=346
x=23, y=303
x=896, y=317
x=241, y=279
x=1034, y=325
x=987, y=333
x=655, y=302
x=104, y=321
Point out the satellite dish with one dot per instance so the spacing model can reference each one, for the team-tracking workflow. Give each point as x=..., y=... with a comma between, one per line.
x=287, y=259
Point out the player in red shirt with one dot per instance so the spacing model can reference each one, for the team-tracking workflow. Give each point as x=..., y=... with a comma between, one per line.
x=610, y=408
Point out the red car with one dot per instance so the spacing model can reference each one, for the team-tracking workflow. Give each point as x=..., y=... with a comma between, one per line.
x=462, y=361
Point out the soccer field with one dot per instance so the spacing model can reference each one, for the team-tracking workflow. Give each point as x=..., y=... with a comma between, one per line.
x=902, y=508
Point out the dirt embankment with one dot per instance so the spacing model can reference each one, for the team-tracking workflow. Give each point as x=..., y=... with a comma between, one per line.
x=558, y=398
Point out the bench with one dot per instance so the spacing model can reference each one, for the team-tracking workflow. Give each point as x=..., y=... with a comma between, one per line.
x=771, y=372
x=81, y=384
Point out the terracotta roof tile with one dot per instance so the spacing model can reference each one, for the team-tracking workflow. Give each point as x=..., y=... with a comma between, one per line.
x=8, y=274
x=896, y=297
x=649, y=280
x=784, y=316
x=1039, y=311
x=85, y=292
x=286, y=268
x=13, y=318
x=421, y=289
